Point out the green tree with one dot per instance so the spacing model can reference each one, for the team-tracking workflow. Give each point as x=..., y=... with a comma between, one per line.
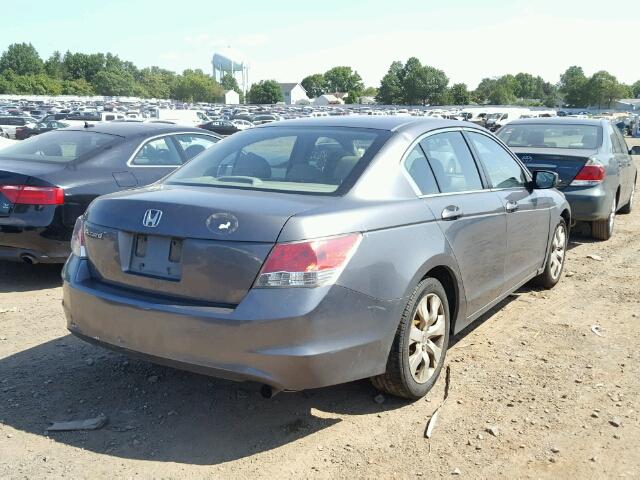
x=603, y=89
x=635, y=89
x=390, y=91
x=315, y=85
x=87, y=66
x=501, y=94
x=114, y=83
x=573, y=85
x=53, y=65
x=370, y=92
x=22, y=59
x=459, y=94
x=156, y=81
x=343, y=79
x=423, y=84
x=229, y=82
x=77, y=87
x=196, y=86
x=484, y=89
x=265, y=92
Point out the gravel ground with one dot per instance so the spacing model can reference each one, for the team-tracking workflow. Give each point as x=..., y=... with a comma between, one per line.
x=534, y=393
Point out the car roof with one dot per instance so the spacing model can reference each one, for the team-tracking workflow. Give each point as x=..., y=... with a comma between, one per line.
x=378, y=122
x=130, y=129
x=559, y=121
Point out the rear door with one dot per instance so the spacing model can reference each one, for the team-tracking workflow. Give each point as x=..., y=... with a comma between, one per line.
x=527, y=211
x=471, y=216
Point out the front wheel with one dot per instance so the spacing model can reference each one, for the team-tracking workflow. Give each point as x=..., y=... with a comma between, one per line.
x=555, y=258
x=420, y=344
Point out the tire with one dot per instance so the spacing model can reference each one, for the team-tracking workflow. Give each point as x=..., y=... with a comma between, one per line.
x=629, y=206
x=555, y=258
x=400, y=379
x=603, y=229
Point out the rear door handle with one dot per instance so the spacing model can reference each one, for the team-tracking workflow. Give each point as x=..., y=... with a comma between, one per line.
x=511, y=207
x=451, y=212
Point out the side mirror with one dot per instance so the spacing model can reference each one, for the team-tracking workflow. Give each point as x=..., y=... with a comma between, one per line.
x=635, y=150
x=544, y=179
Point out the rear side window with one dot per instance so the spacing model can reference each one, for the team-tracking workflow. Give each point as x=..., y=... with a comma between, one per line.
x=158, y=152
x=290, y=159
x=418, y=168
x=503, y=171
x=619, y=144
x=59, y=146
x=193, y=144
x=451, y=162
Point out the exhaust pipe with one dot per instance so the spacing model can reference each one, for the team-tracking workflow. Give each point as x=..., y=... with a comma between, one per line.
x=28, y=258
x=267, y=391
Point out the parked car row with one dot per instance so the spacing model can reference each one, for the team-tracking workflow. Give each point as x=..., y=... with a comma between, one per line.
x=306, y=252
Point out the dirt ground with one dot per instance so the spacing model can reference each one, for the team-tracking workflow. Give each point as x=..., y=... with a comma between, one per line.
x=532, y=371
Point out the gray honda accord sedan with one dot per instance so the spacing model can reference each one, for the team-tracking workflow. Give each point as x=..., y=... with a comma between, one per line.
x=312, y=252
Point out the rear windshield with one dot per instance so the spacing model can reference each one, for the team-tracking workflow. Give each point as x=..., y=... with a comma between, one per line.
x=290, y=159
x=552, y=136
x=59, y=146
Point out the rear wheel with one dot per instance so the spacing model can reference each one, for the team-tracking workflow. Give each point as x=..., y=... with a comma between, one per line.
x=420, y=344
x=555, y=258
x=603, y=229
x=629, y=206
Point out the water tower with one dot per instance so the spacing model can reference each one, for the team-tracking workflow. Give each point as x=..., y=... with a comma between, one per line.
x=228, y=61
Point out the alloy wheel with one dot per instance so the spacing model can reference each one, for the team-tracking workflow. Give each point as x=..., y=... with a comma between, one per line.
x=558, y=249
x=612, y=216
x=426, y=339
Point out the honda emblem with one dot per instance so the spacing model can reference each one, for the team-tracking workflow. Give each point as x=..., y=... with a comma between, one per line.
x=151, y=218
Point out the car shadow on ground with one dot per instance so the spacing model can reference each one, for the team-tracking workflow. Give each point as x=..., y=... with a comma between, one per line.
x=22, y=277
x=162, y=414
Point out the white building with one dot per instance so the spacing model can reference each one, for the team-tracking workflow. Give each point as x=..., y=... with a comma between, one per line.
x=327, y=99
x=231, y=97
x=293, y=93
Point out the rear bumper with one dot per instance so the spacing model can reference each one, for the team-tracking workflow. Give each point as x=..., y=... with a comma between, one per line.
x=588, y=204
x=15, y=242
x=290, y=339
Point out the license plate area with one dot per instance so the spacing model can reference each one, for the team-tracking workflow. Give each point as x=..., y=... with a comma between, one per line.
x=156, y=256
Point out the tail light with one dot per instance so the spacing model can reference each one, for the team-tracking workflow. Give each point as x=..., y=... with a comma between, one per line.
x=592, y=173
x=310, y=263
x=77, y=239
x=26, y=195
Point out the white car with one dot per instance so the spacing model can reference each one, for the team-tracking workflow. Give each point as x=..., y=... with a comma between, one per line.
x=242, y=124
x=9, y=123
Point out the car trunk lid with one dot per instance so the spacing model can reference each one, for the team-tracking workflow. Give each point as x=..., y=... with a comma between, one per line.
x=199, y=244
x=22, y=173
x=565, y=162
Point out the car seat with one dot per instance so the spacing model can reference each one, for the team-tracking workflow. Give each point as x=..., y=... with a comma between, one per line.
x=252, y=165
x=193, y=150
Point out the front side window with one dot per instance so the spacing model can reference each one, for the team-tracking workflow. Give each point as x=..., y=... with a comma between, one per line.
x=552, y=136
x=503, y=171
x=451, y=162
x=418, y=168
x=290, y=159
x=158, y=152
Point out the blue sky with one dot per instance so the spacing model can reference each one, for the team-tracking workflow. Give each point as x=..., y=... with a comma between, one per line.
x=288, y=40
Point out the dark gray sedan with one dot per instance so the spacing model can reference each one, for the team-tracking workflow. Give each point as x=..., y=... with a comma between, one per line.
x=313, y=252
x=591, y=157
